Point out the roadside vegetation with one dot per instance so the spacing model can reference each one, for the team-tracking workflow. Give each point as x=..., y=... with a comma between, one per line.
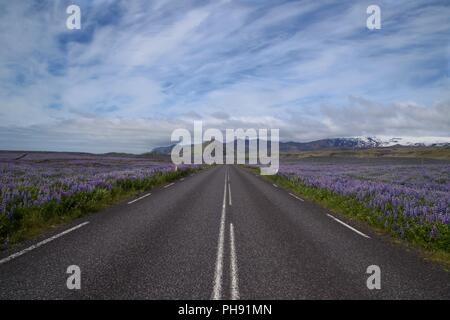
x=436, y=153
x=391, y=206
x=37, y=196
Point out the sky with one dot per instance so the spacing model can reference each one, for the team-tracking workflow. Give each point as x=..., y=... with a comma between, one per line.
x=137, y=70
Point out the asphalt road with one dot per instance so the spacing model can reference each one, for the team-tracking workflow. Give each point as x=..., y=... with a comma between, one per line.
x=222, y=233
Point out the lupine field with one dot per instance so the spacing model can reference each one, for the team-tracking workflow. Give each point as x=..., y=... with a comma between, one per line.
x=409, y=200
x=38, y=189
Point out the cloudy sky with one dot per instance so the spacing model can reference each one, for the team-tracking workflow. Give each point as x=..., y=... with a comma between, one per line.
x=139, y=69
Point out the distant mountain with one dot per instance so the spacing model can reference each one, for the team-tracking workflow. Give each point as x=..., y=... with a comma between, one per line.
x=329, y=144
x=162, y=150
x=407, y=141
x=343, y=144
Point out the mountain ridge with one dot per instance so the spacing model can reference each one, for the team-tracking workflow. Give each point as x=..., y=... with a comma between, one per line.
x=340, y=144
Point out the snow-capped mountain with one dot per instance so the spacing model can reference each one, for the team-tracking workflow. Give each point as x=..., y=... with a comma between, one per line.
x=363, y=143
x=383, y=141
x=348, y=143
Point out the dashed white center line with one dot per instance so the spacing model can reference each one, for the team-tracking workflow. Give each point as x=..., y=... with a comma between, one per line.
x=298, y=198
x=229, y=193
x=275, y=185
x=217, y=289
x=350, y=227
x=234, y=267
x=140, y=198
x=169, y=185
x=37, y=245
x=182, y=179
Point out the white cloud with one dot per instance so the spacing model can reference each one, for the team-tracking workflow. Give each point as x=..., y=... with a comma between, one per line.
x=146, y=67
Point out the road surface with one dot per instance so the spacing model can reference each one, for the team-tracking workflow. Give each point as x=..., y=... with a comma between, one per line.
x=222, y=233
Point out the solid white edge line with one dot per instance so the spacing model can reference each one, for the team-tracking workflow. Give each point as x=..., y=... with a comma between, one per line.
x=296, y=197
x=217, y=289
x=140, y=198
x=169, y=185
x=234, y=267
x=350, y=227
x=37, y=245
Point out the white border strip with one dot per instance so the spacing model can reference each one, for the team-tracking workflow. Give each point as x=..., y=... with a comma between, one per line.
x=37, y=245
x=140, y=198
x=350, y=227
x=296, y=197
x=169, y=185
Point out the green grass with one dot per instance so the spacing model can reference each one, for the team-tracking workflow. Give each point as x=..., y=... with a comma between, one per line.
x=417, y=238
x=438, y=153
x=31, y=222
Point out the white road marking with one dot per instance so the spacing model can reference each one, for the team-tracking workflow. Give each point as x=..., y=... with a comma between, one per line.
x=37, y=245
x=296, y=197
x=350, y=227
x=229, y=193
x=182, y=179
x=234, y=267
x=140, y=198
x=169, y=185
x=275, y=185
x=217, y=289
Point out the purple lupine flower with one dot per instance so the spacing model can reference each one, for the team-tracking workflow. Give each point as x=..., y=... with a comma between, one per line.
x=433, y=232
x=11, y=214
x=408, y=191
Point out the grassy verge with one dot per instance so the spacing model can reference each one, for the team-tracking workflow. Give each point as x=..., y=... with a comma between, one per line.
x=30, y=222
x=437, y=153
x=416, y=239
